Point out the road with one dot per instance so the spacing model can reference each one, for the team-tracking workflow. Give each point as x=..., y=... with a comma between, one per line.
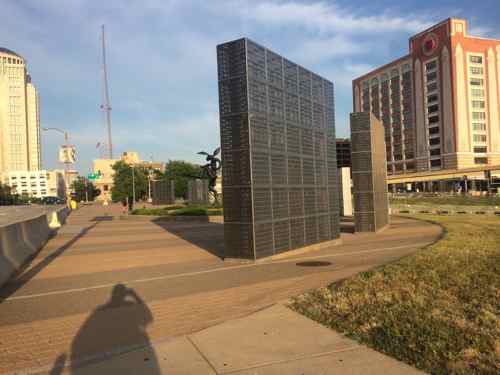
x=105, y=285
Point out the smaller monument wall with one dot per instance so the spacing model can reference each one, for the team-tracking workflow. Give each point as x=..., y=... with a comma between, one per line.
x=163, y=192
x=197, y=191
x=369, y=172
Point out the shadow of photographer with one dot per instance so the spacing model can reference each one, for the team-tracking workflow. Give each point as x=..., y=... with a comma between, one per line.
x=118, y=325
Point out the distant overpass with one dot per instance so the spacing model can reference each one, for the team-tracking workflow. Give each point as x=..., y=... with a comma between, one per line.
x=475, y=173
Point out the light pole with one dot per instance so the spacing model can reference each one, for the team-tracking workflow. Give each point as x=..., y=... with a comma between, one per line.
x=133, y=185
x=150, y=175
x=66, y=143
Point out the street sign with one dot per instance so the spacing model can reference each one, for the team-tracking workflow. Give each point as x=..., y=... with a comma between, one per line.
x=94, y=176
x=67, y=154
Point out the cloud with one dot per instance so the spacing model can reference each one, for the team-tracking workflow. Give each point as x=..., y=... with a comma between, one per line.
x=162, y=60
x=329, y=17
x=320, y=50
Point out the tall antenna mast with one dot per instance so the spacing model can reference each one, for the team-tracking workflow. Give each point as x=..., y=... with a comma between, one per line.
x=106, y=107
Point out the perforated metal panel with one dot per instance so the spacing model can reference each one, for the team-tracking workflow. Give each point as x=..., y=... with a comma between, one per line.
x=163, y=192
x=197, y=192
x=278, y=151
x=371, y=208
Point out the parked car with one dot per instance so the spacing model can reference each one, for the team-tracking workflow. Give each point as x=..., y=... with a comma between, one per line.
x=52, y=200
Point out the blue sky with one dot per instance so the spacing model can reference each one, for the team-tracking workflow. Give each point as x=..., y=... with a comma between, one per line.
x=162, y=59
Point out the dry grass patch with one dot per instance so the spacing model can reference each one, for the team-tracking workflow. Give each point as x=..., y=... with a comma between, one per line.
x=438, y=309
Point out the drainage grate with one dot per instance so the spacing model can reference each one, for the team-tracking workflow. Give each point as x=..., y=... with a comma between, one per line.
x=314, y=263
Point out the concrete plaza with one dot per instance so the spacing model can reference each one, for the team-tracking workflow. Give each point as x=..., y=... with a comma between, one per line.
x=105, y=286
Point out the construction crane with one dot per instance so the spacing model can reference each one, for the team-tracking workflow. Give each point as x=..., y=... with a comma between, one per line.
x=106, y=105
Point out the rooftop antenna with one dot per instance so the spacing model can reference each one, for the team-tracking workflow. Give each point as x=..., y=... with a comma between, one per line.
x=105, y=106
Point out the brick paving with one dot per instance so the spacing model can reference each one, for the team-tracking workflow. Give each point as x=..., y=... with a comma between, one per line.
x=67, y=301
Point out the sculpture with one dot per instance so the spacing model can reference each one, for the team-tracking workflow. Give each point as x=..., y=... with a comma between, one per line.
x=210, y=170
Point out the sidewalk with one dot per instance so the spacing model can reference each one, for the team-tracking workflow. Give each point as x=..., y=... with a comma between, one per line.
x=272, y=341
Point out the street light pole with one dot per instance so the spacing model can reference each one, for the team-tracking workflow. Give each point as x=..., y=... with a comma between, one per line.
x=133, y=185
x=66, y=165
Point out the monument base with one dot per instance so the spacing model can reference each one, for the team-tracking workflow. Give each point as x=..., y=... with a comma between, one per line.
x=289, y=253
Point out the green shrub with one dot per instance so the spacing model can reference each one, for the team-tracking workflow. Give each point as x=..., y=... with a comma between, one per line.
x=190, y=211
x=215, y=211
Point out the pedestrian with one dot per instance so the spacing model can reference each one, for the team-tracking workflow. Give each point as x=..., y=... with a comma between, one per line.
x=124, y=206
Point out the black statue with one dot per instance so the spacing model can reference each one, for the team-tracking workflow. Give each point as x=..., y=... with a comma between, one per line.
x=210, y=171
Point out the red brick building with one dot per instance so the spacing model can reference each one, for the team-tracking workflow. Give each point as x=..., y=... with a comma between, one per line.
x=440, y=104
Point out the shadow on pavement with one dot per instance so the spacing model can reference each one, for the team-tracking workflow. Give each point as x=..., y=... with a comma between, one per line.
x=23, y=277
x=102, y=218
x=205, y=235
x=117, y=326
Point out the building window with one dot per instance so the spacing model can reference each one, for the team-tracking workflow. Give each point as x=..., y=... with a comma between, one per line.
x=433, y=120
x=436, y=152
x=433, y=108
x=476, y=59
x=479, y=126
x=476, y=70
x=436, y=163
x=477, y=93
x=478, y=104
x=434, y=141
x=431, y=65
x=480, y=138
x=432, y=98
x=431, y=76
x=480, y=150
x=410, y=166
x=432, y=87
x=477, y=82
x=478, y=115
x=480, y=160
x=434, y=130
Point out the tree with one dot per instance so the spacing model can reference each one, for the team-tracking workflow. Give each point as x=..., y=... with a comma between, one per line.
x=181, y=171
x=84, y=188
x=122, y=182
x=6, y=197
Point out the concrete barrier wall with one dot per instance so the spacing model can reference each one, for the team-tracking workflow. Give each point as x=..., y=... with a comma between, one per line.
x=22, y=240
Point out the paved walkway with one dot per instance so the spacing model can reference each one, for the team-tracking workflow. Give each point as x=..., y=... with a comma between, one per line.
x=273, y=341
x=71, y=304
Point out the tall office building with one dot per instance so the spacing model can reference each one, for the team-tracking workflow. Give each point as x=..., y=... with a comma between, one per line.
x=439, y=104
x=19, y=116
x=33, y=126
x=277, y=126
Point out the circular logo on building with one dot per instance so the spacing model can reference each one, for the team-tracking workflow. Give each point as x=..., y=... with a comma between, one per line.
x=430, y=44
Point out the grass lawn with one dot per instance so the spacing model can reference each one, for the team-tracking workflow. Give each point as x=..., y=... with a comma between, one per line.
x=438, y=310
x=178, y=210
x=458, y=200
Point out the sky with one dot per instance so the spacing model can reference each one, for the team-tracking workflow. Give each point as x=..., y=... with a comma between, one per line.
x=162, y=63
